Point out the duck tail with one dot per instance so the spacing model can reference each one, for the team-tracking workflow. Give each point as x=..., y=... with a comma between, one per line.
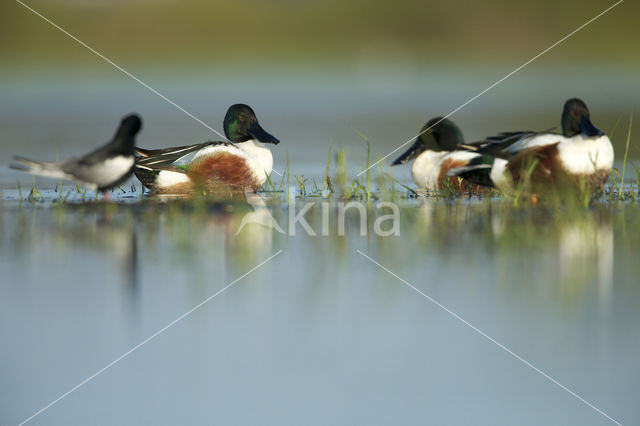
x=479, y=174
x=142, y=153
x=146, y=175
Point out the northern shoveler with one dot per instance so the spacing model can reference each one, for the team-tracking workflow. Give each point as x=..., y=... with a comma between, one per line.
x=102, y=169
x=435, y=152
x=241, y=163
x=582, y=153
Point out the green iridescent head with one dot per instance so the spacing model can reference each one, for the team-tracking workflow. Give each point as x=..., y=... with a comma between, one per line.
x=241, y=125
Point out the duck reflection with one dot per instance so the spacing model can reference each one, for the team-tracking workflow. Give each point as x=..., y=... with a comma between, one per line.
x=201, y=230
x=249, y=234
x=67, y=231
x=585, y=252
x=566, y=254
x=116, y=239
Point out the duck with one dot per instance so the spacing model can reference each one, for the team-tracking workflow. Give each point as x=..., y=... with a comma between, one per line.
x=241, y=163
x=581, y=153
x=107, y=167
x=436, y=151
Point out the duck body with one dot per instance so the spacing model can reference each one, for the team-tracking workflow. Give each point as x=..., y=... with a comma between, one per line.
x=435, y=152
x=581, y=154
x=560, y=158
x=242, y=163
x=430, y=169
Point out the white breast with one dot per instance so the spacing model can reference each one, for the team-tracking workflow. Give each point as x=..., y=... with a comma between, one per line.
x=260, y=159
x=168, y=178
x=427, y=166
x=584, y=155
x=426, y=169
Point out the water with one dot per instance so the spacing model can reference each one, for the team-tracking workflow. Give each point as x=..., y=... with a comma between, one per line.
x=63, y=112
x=319, y=334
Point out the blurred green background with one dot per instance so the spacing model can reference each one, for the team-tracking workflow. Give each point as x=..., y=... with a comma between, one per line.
x=307, y=33
x=320, y=323
x=313, y=70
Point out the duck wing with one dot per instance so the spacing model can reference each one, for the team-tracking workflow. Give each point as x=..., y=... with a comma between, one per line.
x=158, y=158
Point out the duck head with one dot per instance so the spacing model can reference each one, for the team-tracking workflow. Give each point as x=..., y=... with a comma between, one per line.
x=438, y=134
x=576, y=119
x=241, y=125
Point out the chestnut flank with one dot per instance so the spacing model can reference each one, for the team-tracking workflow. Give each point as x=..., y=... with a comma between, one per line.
x=223, y=168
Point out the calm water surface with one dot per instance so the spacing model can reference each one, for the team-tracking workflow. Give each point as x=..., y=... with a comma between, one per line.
x=319, y=334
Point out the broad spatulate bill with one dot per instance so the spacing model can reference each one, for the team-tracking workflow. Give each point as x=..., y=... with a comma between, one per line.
x=436, y=151
x=242, y=163
x=582, y=153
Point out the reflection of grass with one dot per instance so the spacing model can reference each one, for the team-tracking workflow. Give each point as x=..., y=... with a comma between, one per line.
x=518, y=250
